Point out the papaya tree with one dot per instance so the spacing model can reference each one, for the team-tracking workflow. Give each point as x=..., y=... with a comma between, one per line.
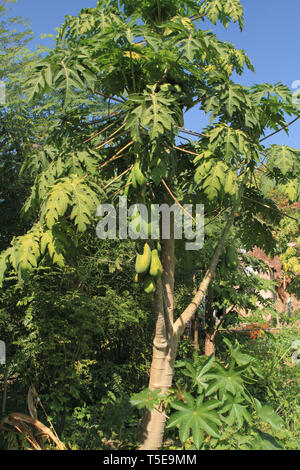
x=150, y=62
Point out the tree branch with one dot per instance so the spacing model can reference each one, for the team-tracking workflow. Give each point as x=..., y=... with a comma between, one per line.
x=176, y=200
x=279, y=130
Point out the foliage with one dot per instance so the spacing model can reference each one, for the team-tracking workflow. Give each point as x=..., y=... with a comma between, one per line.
x=154, y=67
x=211, y=397
x=59, y=316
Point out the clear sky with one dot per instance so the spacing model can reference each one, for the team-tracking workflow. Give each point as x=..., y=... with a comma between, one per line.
x=271, y=38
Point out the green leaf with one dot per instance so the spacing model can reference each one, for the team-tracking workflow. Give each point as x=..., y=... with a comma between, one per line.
x=70, y=193
x=198, y=436
x=146, y=399
x=267, y=414
x=157, y=112
x=283, y=158
x=238, y=412
x=4, y=263
x=229, y=379
x=196, y=416
x=265, y=441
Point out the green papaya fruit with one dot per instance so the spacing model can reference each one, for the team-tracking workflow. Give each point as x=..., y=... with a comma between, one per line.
x=139, y=177
x=141, y=225
x=133, y=179
x=149, y=285
x=126, y=190
x=156, y=268
x=143, y=261
x=146, y=226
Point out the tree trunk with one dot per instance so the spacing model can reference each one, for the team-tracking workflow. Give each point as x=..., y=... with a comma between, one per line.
x=196, y=319
x=5, y=383
x=164, y=349
x=196, y=333
x=209, y=344
x=210, y=331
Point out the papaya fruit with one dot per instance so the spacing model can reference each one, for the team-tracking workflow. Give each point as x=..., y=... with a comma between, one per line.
x=149, y=285
x=141, y=225
x=143, y=261
x=139, y=177
x=146, y=227
x=156, y=268
x=133, y=179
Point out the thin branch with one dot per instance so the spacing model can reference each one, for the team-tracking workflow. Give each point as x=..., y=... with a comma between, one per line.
x=222, y=319
x=269, y=207
x=121, y=189
x=117, y=155
x=186, y=151
x=196, y=18
x=185, y=138
x=281, y=129
x=176, y=200
x=216, y=216
x=109, y=139
x=198, y=134
x=118, y=177
x=119, y=100
x=100, y=132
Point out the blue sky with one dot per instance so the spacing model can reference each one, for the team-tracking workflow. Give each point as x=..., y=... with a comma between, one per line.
x=271, y=39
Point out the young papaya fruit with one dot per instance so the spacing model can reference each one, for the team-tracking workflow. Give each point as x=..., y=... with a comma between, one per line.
x=149, y=285
x=133, y=178
x=139, y=177
x=143, y=261
x=156, y=268
x=141, y=225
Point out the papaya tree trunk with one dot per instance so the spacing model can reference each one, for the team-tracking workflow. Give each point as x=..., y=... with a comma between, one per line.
x=195, y=320
x=210, y=332
x=196, y=333
x=209, y=344
x=164, y=349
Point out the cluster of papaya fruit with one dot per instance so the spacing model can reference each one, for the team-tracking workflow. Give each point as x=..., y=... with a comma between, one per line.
x=229, y=261
x=148, y=268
